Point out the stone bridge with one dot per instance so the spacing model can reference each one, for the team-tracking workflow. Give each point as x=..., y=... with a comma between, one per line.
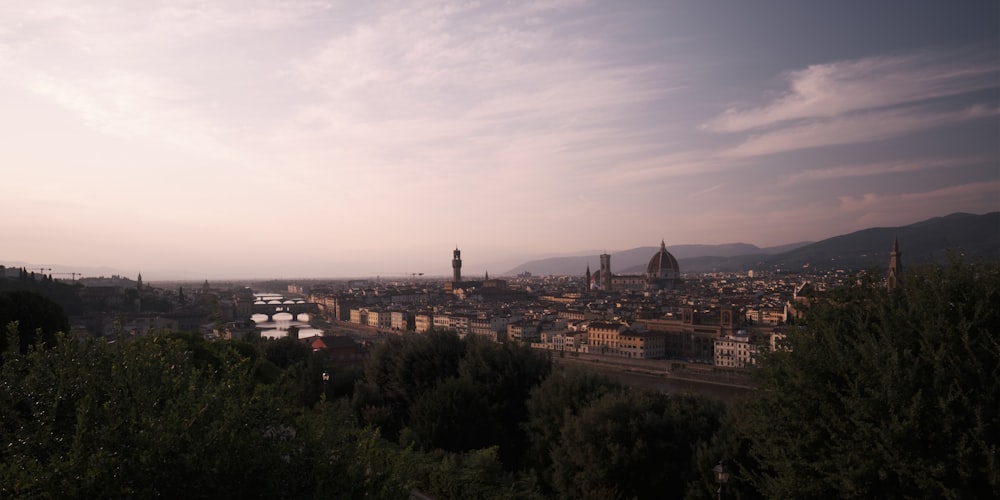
x=294, y=308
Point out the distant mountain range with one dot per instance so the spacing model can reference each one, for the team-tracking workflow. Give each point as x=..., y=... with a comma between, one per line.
x=972, y=236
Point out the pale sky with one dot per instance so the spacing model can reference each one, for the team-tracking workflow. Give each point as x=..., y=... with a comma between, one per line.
x=296, y=138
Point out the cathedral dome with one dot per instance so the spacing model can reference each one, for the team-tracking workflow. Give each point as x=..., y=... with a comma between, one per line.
x=663, y=264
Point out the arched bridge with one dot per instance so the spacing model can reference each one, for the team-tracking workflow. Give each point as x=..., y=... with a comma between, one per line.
x=293, y=308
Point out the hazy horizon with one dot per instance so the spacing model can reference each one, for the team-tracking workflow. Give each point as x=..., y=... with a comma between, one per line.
x=311, y=138
x=506, y=267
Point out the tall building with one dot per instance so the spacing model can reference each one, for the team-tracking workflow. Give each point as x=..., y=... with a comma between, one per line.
x=895, y=266
x=456, y=265
x=605, y=272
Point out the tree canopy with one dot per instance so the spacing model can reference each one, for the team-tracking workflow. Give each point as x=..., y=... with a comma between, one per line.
x=881, y=394
x=632, y=444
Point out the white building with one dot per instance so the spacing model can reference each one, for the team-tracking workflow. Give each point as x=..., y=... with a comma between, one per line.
x=359, y=316
x=461, y=323
x=380, y=318
x=398, y=320
x=423, y=322
x=735, y=351
x=442, y=322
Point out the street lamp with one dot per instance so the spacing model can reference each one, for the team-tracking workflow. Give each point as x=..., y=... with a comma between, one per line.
x=721, y=476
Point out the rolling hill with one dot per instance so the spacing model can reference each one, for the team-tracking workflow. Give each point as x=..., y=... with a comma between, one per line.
x=969, y=235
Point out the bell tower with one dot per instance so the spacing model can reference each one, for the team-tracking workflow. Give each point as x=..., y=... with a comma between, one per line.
x=605, y=272
x=895, y=266
x=456, y=265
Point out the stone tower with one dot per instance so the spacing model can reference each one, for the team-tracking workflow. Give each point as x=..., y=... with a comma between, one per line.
x=605, y=272
x=456, y=265
x=587, y=276
x=895, y=266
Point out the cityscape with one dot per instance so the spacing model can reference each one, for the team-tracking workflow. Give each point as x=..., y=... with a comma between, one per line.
x=705, y=340
x=525, y=250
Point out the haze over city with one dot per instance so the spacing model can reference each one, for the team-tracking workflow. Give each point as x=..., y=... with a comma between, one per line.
x=242, y=138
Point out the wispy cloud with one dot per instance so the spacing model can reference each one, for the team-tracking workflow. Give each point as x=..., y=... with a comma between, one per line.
x=864, y=100
x=878, y=168
x=836, y=89
x=698, y=194
x=854, y=128
x=131, y=106
x=509, y=94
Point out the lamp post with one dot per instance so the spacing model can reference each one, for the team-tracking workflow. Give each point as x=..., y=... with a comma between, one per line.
x=721, y=476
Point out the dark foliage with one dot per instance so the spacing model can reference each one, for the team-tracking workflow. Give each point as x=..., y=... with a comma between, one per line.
x=453, y=394
x=561, y=397
x=882, y=394
x=65, y=294
x=35, y=315
x=632, y=444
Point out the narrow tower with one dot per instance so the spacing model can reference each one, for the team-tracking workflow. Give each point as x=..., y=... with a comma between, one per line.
x=895, y=266
x=456, y=265
x=605, y=272
x=587, y=285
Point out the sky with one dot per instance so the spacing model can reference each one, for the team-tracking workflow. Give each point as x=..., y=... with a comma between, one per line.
x=300, y=138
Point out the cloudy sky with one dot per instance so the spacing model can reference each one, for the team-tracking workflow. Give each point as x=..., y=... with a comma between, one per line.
x=293, y=138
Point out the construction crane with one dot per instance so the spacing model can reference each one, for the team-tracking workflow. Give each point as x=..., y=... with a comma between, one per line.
x=73, y=275
x=42, y=269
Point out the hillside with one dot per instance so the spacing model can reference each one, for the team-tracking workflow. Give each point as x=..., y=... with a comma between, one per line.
x=969, y=235
x=972, y=236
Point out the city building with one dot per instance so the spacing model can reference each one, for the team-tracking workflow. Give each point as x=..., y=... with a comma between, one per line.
x=692, y=337
x=423, y=322
x=398, y=320
x=735, y=350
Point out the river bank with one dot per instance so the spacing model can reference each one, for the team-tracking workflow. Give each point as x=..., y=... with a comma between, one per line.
x=677, y=378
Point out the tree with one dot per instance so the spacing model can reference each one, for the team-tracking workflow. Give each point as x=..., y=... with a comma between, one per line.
x=560, y=397
x=883, y=394
x=504, y=375
x=400, y=370
x=285, y=352
x=453, y=394
x=139, y=418
x=635, y=443
x=454, y=416
x=34, y=315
